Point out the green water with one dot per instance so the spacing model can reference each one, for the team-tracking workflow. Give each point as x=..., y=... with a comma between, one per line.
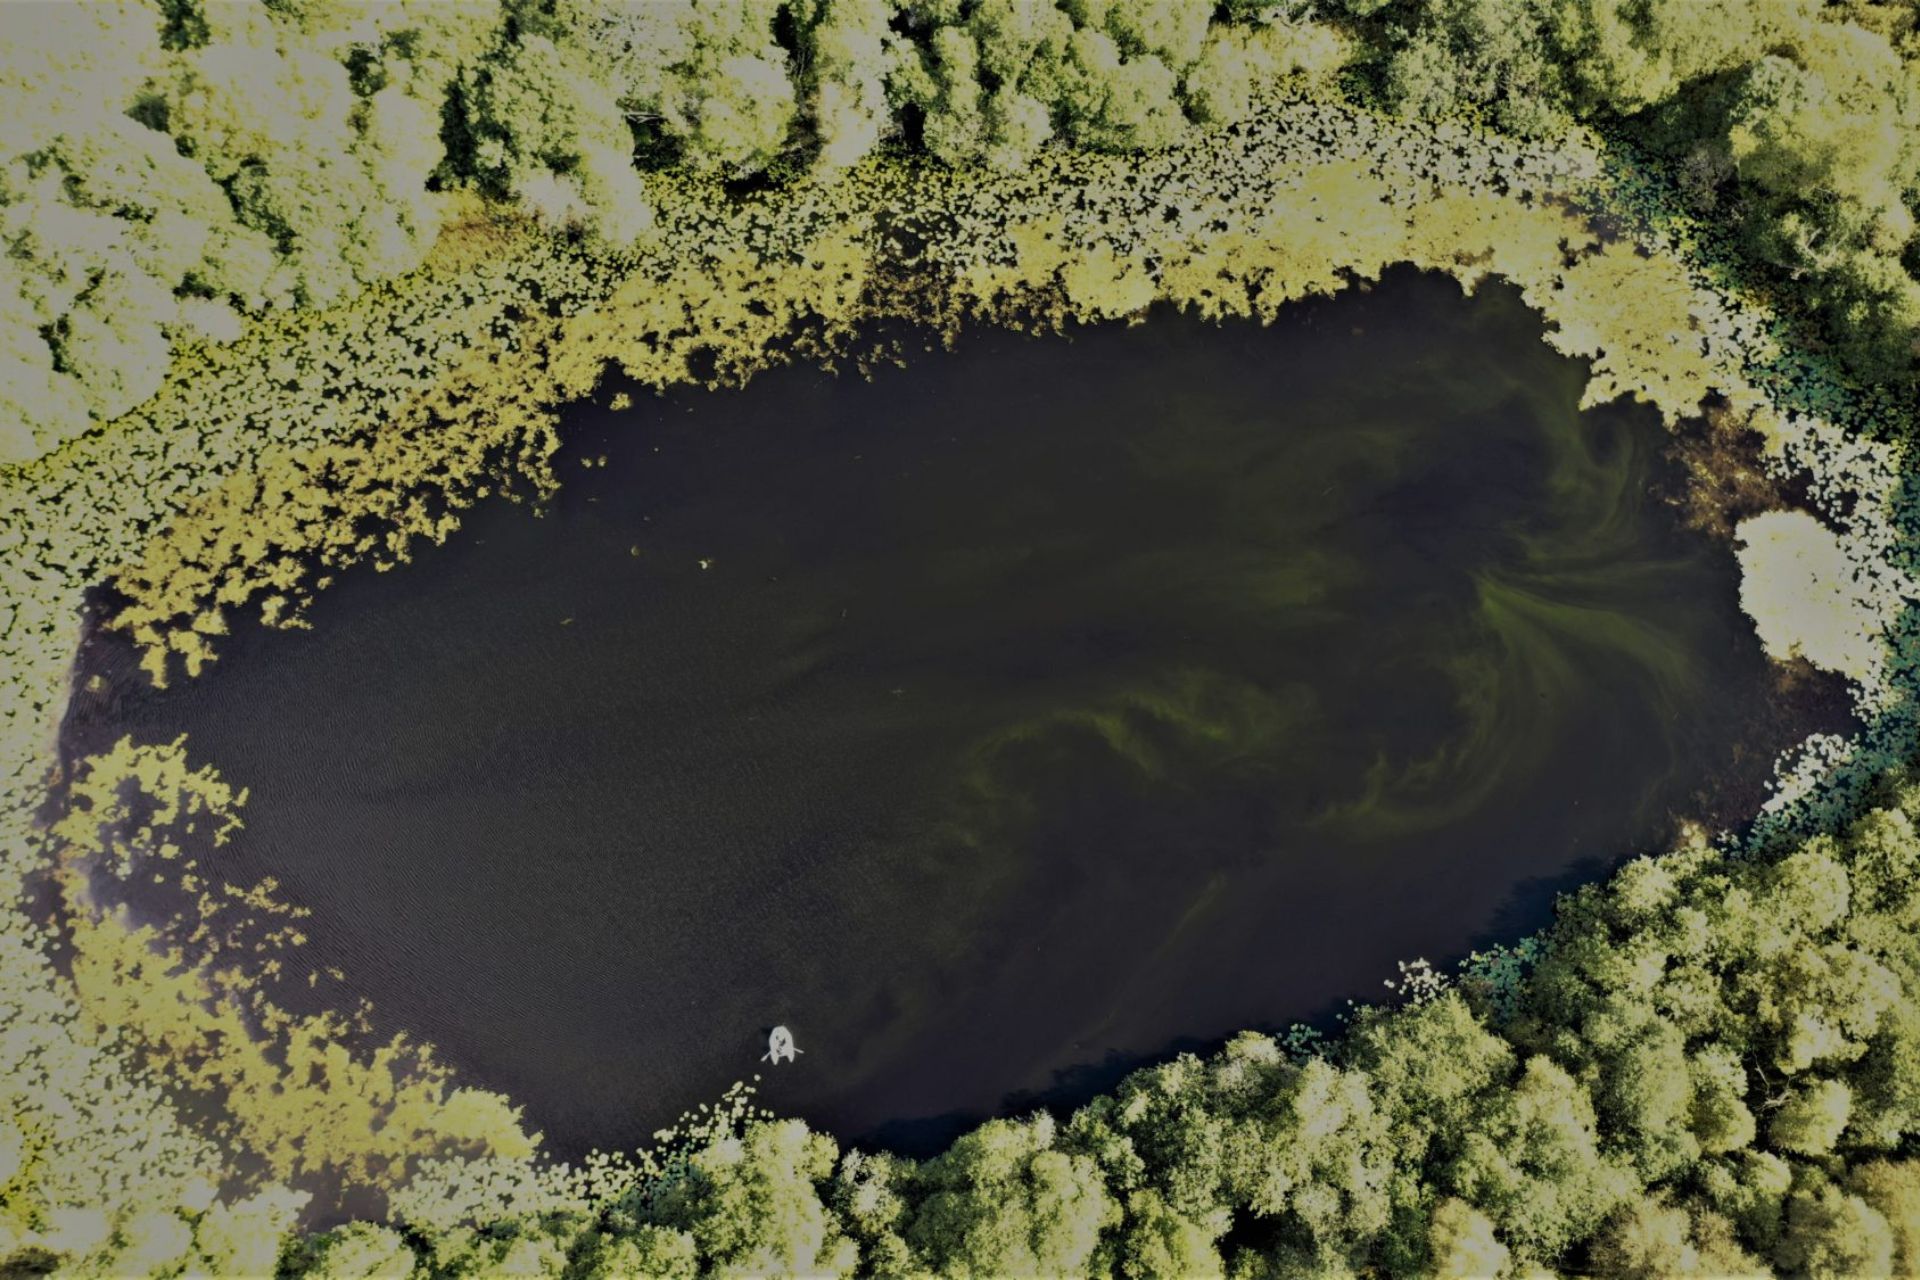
x=1019, y=715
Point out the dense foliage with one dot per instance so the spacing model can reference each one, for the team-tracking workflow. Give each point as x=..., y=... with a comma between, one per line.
x=167, y=168
x=164, y=172
x=1795, y=122
x=1713, y=1069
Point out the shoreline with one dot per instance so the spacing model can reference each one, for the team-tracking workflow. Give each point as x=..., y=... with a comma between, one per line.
x=484, y=420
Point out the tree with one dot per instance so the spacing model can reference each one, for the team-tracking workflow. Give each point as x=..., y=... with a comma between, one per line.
x=752, y=1204
x=163, y=173
x=1217, y=88
x=1322, y=1163
x=845, y=85
x=1812, y=1118
x=1825, y=133
x=1646, y=1097
x=1718, y=1116
x=546, y=133
x=1623, y=56
x=1463, y=1243
x=1467, y=55
x=1830, y=1235
x=1003, y=1201
x=359, y=1251
x=871, y=1194
x=1892, y=1189
x=1532, y=1163
x=709, y=76
x=242, y=1238
x=1649, y=1240
x=1111, y=102
x=102, y=220
x=660, y=1253
x=1158, y=1240
x=334, y=176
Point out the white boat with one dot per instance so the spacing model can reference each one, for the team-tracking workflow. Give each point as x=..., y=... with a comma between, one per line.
x=780, y=1047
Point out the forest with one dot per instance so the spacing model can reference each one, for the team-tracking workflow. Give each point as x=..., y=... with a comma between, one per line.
x=1708, y=1065
x=156, y=192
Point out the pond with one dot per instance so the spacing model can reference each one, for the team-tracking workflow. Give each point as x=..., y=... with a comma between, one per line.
x=1020, y=715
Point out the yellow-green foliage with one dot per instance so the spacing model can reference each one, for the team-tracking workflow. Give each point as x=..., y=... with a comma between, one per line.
x=1790, y=124
x=290, y=1090
x=1463, y=1242
x=1634, y=316
x=294, y=1092
x=343, y=436
x=483, y=421
x=1800, y=586
x=1279, y=215
x=166, y=169
x=122, y=806
x=1003, y=1201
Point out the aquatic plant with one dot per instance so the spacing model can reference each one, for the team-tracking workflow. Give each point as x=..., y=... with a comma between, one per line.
x=1707, y=1065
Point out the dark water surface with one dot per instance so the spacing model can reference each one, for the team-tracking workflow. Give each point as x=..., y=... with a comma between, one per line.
x=1016, y=716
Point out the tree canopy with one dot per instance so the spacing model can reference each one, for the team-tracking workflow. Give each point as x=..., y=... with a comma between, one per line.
x=169, y=167
x=1793, y=123
x=1712, y=1070
x=1715, y=1067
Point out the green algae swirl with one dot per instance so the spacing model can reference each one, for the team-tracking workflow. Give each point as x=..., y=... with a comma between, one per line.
x=949, y=697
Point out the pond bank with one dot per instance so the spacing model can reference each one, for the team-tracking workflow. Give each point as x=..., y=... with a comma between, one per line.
x=997, y=724
x=229, y=486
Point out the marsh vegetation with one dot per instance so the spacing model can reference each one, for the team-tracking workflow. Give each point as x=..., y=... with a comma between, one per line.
x=293, y=289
